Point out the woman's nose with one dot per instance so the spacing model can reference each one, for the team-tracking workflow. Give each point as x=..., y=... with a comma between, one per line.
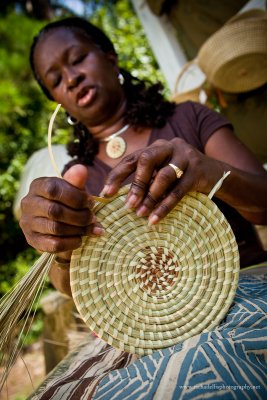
x=73, y=77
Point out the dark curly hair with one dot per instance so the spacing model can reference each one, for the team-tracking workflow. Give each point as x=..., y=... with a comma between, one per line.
x=146, y=105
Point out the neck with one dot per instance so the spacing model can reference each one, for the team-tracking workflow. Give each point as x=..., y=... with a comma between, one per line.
x=115, y=134
x=111, y=125
x=116, y=129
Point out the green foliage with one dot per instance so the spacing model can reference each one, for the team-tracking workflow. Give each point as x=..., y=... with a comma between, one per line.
x=14, y=270
x=125, y=31
x=22, y=123
x=36, y=329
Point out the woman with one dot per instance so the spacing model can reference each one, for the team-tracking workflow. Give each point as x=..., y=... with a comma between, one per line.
x=163, y=149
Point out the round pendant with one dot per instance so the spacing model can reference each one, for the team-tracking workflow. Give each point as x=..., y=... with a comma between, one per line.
x=116, y=147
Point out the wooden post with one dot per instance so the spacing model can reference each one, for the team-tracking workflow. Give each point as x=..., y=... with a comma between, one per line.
x=59, y=319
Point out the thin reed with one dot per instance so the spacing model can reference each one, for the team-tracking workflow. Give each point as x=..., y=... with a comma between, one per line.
x=16, y=310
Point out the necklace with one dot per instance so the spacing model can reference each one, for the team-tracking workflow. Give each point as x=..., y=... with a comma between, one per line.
x=116, y=146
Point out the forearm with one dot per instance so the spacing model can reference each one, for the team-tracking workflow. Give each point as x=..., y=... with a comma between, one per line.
x=245, y=188
x=247, y=193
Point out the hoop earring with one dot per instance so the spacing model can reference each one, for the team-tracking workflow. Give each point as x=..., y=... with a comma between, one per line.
x=72, y=121
x=121, y=78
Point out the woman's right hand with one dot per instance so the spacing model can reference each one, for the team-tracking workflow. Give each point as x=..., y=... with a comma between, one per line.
x=56, y=212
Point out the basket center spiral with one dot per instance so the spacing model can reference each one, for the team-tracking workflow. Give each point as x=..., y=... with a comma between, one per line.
x=158, y=269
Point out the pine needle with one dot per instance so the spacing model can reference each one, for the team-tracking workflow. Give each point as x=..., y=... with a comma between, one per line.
x=13, y=305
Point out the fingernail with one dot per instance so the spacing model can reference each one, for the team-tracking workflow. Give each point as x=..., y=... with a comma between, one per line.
x=98, y=231
x=153, y=219
x=105, y=191
x=142, y=211
x=132, y=201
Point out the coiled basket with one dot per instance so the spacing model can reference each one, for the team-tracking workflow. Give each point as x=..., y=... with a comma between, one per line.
x=142, y=288
x=234, y=58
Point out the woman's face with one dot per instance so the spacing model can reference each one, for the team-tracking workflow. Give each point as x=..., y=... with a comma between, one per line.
x=79, y=75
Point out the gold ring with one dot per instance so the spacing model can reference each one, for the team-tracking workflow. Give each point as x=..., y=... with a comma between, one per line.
x=177, y=170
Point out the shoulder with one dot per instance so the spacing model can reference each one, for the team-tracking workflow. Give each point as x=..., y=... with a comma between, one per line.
x=196, y=123
x=200, y=116
x=193, y=109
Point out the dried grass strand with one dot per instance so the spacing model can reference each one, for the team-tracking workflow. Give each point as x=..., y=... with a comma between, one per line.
x=22, y=297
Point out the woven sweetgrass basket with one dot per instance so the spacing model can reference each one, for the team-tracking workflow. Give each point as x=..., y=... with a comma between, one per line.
x=142, y=288
x=234, y=58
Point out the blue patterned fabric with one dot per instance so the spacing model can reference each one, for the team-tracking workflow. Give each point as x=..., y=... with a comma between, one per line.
x=228, y=363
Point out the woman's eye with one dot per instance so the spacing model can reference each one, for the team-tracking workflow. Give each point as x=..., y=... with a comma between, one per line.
x=78, y=59
x=56, y=81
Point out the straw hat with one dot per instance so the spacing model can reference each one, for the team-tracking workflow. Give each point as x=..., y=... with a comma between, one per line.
x=141, y=288
x=234, y=58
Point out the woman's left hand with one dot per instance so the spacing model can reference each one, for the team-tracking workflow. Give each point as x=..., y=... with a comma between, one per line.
x=157, y=187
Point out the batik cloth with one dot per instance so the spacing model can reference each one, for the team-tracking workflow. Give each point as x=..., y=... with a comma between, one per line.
x=229, y=362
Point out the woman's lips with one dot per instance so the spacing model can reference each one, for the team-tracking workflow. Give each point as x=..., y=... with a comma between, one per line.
x=86, y=97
